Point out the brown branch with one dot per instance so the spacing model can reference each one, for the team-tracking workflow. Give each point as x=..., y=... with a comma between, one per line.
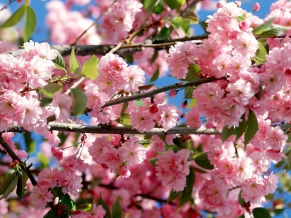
x=69, y=127
x=15, y=157
x=7, y=4
x=158, y=90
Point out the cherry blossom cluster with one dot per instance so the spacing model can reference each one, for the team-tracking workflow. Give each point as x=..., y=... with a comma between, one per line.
x=67, y=180
x=21, y=75
x=67, y=25
x=119, y=19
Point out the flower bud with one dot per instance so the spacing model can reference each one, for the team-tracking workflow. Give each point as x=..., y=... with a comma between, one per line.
x=184, y=104
x=173, y=93
x=256, y=7
x=153, y=108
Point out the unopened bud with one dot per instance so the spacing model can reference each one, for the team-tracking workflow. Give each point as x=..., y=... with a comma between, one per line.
x=256, y=7
x=184, y=104
x=173, y=93
x=153, y=108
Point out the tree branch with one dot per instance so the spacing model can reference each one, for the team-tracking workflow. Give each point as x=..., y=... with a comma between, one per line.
x=7, y=4
x=82, y=50
x=15, y=157
x=157, y=91
x=69, y=127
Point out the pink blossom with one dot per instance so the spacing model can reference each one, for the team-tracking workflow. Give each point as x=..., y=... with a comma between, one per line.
x=57, y=152
x=70, y=183
x=181, y=55
x=132, y=153
x=103, y=152
x=62, y=102
x=168, y=116
x=141, y=119
x=135, y=77
x=40, y=196
x=172, y=169
x=256, y=6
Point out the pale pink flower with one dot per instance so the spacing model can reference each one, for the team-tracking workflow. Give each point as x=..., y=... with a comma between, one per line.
x=70, y=182
x=57, y=152
x=131, y=152
x=172, y=169
x=40, y=196
x=141, y=119
x=180, y=56
x=168, y=116
x=135, y=77
x=63, y=103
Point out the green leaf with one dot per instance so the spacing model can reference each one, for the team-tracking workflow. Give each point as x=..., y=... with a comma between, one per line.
x=44, y=102
x=15, y=18
x=67, y=200
x=50, y=214
x=175, y=4
x=203, y=161
x=116, y=209
x=86, y=207
x=242, y=18
x=139, y=103
x=156, y=75
x=194, y=72
x=177, y=22
x=159, y=8
x=274, y=30
x=30, y=23
x=44, y=160
x=79, y=101
x=192, y=17
x=251, y=128
x=204, y=25
x=105, y=206
x=123, y=109
x=148, y=4
x=261, y=53
x=153, y=161
x=29, y=142
x=173, y=195
x=52, y=88
x=89, y=69
x=187, y=192
x=261, y=212
x=154, y=57
x=239, y=131
x=288, y=162
x=186, y=26
x=8, y=185
x=59, y=61
x=227, y=132
x=74, y=63
x=259, y=94
x=21, y=184
x=129, y=58
x=188, y=92
x=265, y=26
x=163, y=34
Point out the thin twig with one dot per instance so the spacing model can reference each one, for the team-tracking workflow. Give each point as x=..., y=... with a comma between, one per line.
x=7, y=4
x=157, y=91
x=95, y=22
x=15, y=157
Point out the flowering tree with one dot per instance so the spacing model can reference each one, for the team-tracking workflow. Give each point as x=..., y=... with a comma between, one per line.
x=137, y=155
